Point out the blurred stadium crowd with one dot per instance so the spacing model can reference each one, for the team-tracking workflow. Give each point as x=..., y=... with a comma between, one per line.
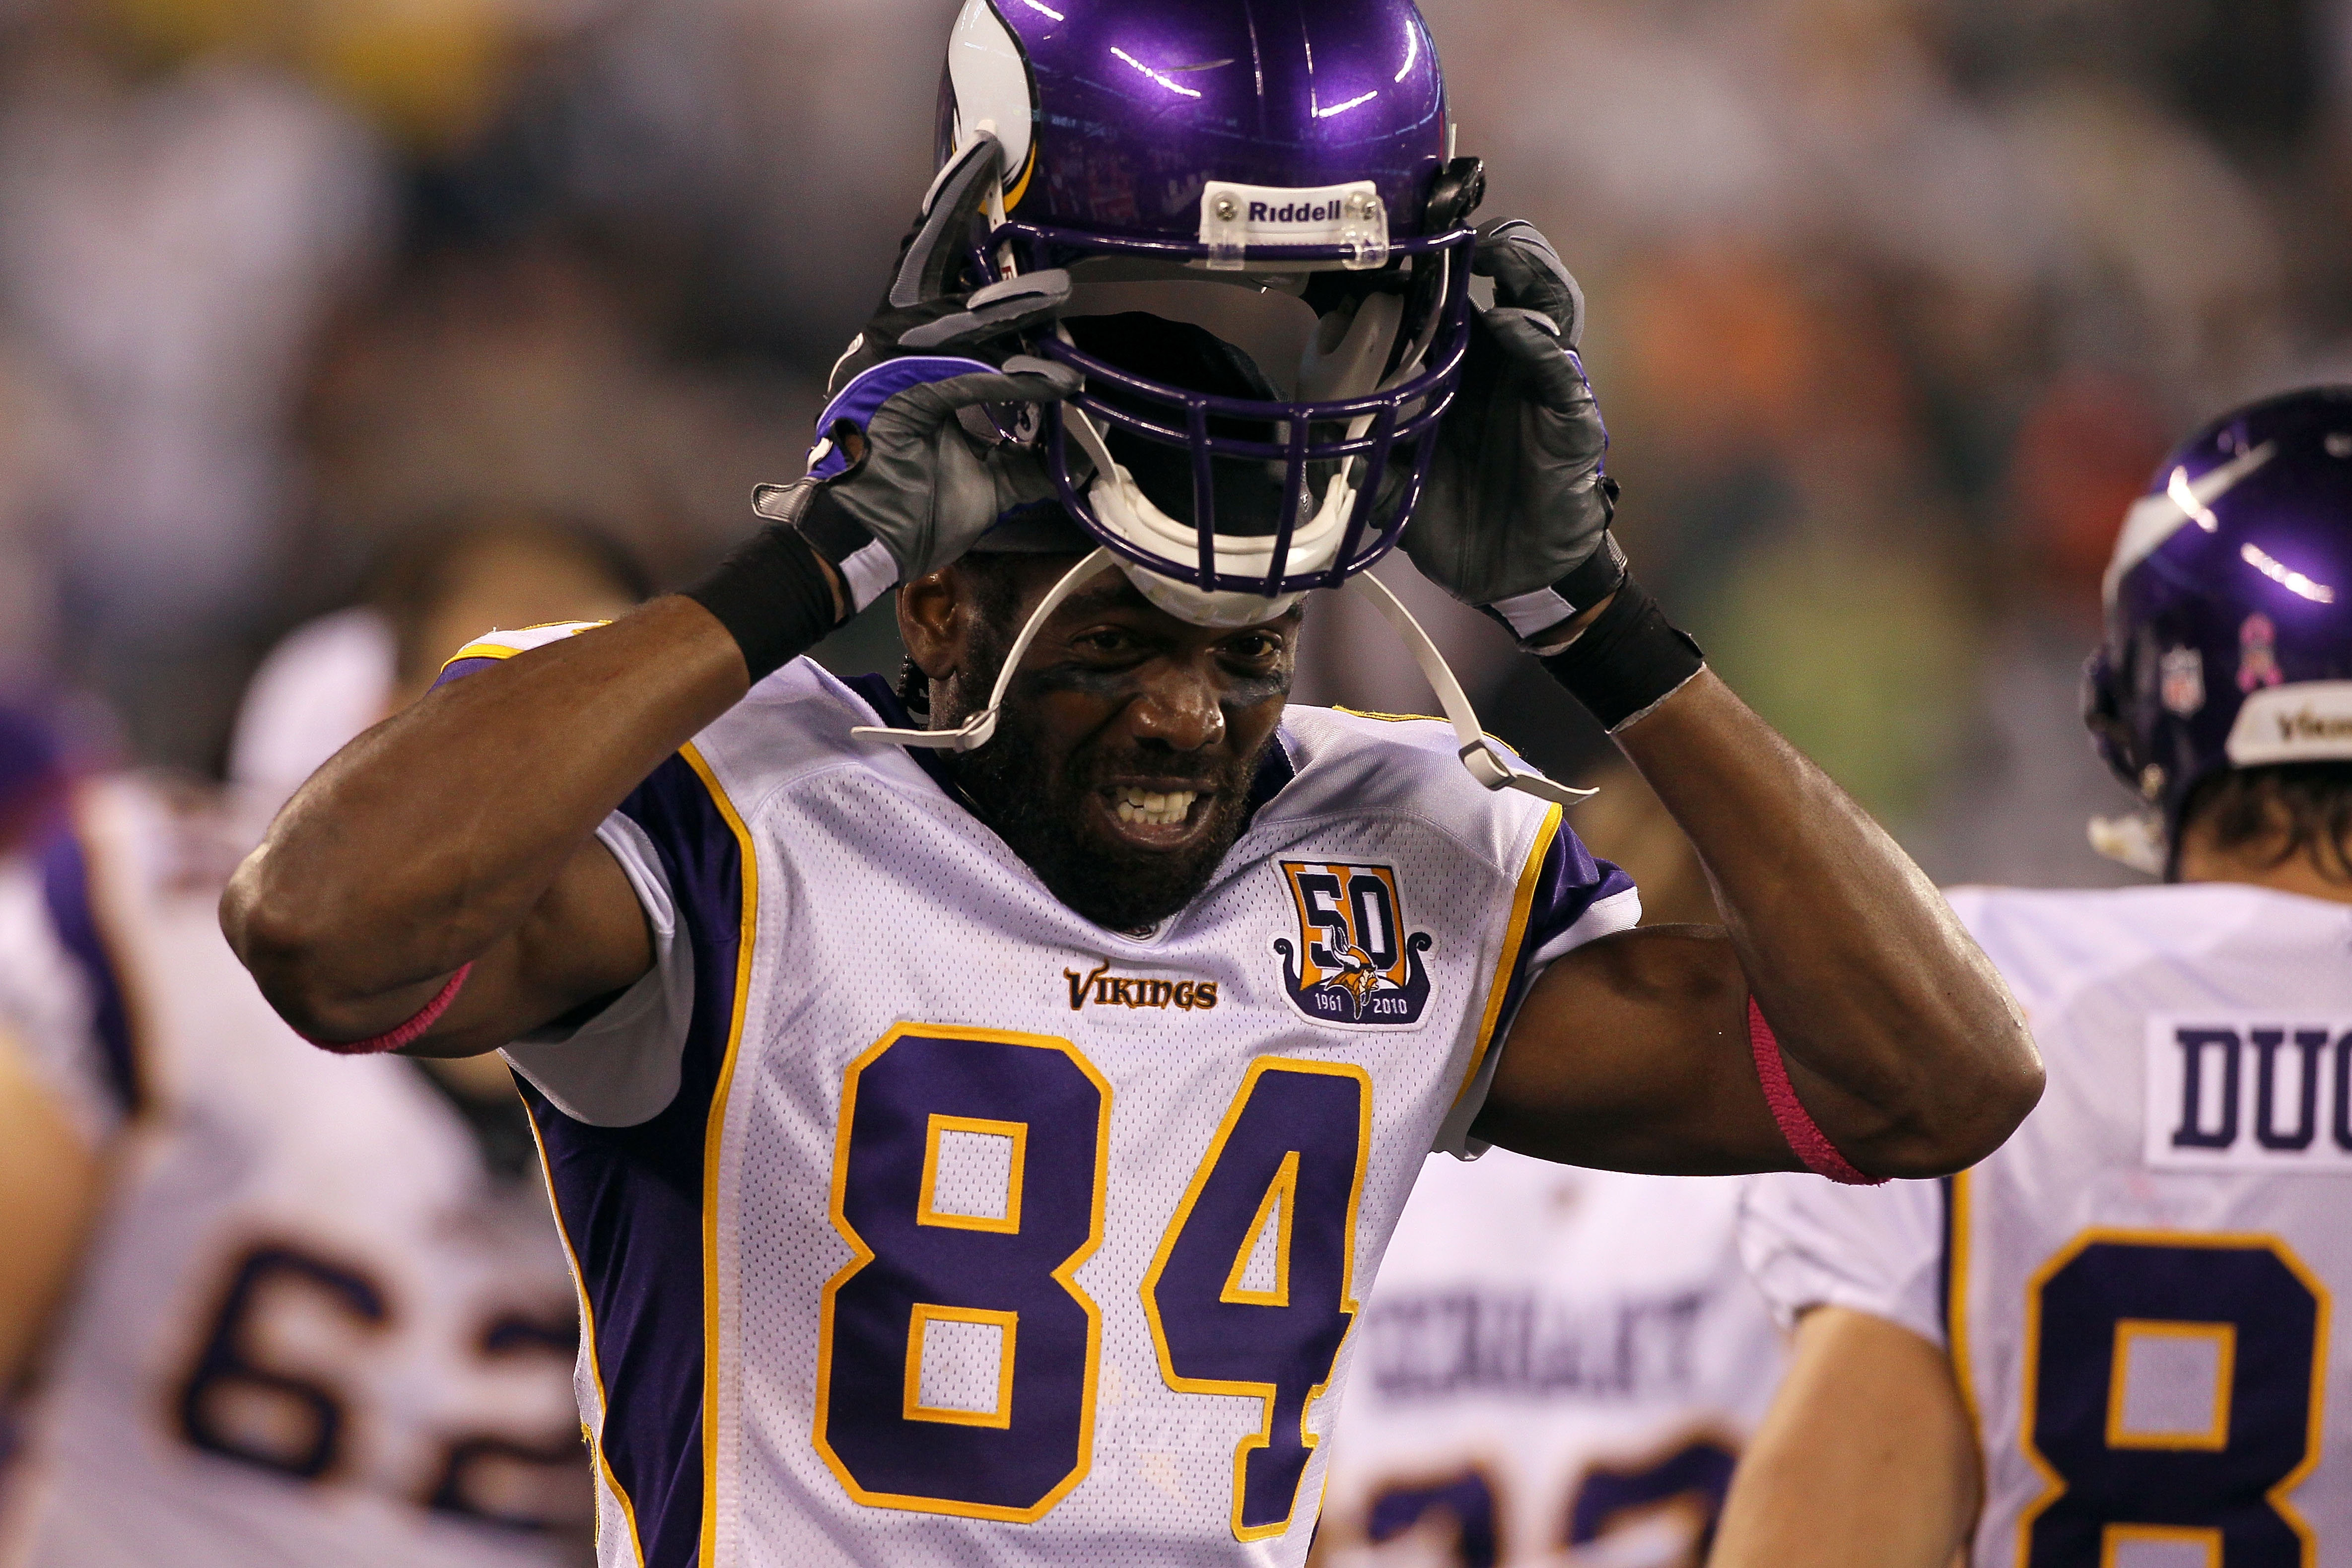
x=1896, y=304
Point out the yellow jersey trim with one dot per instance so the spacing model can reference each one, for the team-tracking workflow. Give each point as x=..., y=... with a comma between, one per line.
x=925, y=1313
x=2224, y=1337
x=484, y=649
x=1280, y=1200
x=714, y=1130
x=1956, y=1299
x=100, y=867
x=1514, y=938
x=588, y=1342
x=927, y=1210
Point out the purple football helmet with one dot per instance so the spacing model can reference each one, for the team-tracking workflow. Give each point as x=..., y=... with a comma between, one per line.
x=2229, y=610
x=1258, y=208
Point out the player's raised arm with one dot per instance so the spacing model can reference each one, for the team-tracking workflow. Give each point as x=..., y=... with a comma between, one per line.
x=1878, y=1036
x=438, y=885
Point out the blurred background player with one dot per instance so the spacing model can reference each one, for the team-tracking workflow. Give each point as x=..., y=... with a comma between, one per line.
x=271, y=1307
x=2111, y=1342
x=1559, y=1366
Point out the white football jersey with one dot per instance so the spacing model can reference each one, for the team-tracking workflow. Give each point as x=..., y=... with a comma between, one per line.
x=2136, y=1291
x=922, y=1221
x=1558, y=1367
x=312, y=1326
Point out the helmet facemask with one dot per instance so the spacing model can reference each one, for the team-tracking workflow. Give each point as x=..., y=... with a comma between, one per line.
x=1286, y=457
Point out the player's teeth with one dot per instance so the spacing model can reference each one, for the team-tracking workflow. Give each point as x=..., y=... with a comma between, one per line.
x=1154, y=809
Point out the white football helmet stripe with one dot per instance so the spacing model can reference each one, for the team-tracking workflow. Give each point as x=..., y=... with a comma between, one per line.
x=2155, y=519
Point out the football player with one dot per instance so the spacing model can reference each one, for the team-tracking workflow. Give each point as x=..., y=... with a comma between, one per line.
x=1559, y=1366
x=312, y=1311
x=2111, y=1344
x=975, y=1137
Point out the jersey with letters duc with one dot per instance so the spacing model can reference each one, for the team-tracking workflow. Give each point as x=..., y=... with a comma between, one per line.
x=922, y=1221
x=315, y=1322
x=2137, y=1291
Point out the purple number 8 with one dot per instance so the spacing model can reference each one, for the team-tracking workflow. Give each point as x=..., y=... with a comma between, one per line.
x=932, y=1260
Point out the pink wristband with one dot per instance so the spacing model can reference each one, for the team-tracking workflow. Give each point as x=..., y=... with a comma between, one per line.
x=406, y=1033
x=1805, y=1136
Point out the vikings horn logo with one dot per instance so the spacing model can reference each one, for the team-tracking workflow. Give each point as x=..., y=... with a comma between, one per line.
x=1352, y=962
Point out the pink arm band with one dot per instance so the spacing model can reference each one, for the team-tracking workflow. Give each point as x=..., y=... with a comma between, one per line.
x=1805, y=1136
x=411, y=1031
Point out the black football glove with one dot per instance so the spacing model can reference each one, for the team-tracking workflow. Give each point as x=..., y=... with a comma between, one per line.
x=910, y=470
x=1514, y=518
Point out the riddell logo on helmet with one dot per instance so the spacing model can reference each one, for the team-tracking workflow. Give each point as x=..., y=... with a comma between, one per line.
x=1297, y=212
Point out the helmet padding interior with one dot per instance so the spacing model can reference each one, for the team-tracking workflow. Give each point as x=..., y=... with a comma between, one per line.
x=1248, y=495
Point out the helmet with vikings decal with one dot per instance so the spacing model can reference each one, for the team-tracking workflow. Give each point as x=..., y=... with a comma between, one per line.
x=2229, y=614
x=1264, y=226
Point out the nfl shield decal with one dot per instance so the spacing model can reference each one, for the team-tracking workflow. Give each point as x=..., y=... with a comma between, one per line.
x=1352, y=962
x=2183, y=684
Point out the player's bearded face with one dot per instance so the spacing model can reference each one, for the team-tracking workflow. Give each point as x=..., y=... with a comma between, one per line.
x=1067, y=755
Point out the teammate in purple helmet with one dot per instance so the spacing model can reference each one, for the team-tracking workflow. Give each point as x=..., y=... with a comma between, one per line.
x=977, y=1117
x=2109, y=1343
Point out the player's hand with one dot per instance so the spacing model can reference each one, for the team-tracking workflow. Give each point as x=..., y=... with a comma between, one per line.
x=910, y=457
x=1517, y=506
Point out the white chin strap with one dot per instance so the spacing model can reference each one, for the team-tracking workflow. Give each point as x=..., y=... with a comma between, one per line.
x=980, y=727
x=1484, y=758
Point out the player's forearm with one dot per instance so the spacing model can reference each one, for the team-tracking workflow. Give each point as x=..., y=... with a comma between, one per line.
x=1902, y=1039
x=435, y=835
x=1865, y=1457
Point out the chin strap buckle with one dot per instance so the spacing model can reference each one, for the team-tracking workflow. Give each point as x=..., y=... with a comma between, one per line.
x=1480, y=754
x=980, y=727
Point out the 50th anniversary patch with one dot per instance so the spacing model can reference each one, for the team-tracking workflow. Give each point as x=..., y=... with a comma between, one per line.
x=1353, y=961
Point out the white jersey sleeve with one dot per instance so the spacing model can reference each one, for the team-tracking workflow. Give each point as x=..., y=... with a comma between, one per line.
x=1573, y=900
x=1877, y=1249
x=621, y=1067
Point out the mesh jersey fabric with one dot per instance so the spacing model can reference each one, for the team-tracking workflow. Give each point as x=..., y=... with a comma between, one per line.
x=1550, y=1355
x=2134, y=1290
x=795, y=1357
x=310, y=1327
